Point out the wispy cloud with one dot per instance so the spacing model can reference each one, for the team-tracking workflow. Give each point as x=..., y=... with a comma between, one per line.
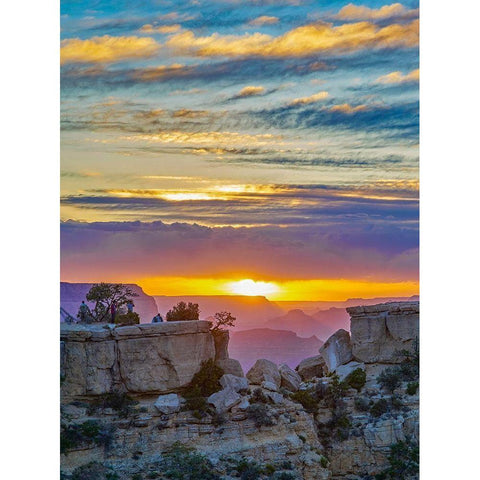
x=299, y=42
x=360, y=12
x=250, y=91
x=263, y=20
x=163, y=29
x=151, y=74
x=316, y=97
x=347, y=108
x=398, y=77
x=107, y=49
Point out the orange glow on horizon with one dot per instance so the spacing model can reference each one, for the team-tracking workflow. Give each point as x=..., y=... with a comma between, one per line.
x=290, y=290
x=250, y=288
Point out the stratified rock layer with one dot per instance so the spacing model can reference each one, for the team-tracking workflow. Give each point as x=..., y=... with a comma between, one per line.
x=380, y=332
x=150, y=358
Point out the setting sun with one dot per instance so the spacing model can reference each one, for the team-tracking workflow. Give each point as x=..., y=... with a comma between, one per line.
x=252, y=288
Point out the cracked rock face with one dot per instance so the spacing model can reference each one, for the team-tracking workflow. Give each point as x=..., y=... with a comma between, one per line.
x=337, y=350
x=154, y=358
x=380, y=332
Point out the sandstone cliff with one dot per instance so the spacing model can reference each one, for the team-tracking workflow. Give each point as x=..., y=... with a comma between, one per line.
x=145, y=358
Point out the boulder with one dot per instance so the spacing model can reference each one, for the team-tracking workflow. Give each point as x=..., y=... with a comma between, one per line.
x=244, y=404
x=168, y=403
x=275, y=397
x=272, y=387
x=290, y=379
x=312, y=367
x=229, y=365
x=264, y=370
x=239, y=384
x=224, y=400
x=337, y=350
x=343, y=371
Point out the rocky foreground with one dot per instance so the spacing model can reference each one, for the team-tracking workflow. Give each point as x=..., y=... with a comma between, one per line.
x=165, y=401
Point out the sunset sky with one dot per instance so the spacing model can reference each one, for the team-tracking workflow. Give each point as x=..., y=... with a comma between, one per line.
x=241, y=147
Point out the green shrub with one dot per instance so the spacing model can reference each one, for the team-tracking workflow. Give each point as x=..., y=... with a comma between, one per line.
x=260, y=414
x=182, y=312
x=93, y=471
x=379, y=408
x=91, y=431
x=390, y=379
x=412, y=388
x=198, y=405
x=335, y=392
x=286, y=465
x=182, y=463
x=306, y=399
x=396, y=402
x=218, y=419
x=259, y=397
x=152, y=475
x=269, y=469
x=284, y=476
x=129, y=318
x=324, y=462
x=206, y=381
x=248, y=469
x=356, y=379
x=362, y=404
x=404, y=461
x=337, y=428
x=120, y=402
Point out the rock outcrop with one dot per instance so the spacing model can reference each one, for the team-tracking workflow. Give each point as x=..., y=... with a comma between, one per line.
x=337, y=350
x=150, y=358
x=221, y=339
x=290, y=379
x=325, y=431
x=381, y=332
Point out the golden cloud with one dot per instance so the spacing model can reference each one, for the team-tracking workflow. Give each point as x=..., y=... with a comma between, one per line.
x=106, y=49
x=263, y=20
x=186, y=113
x=301, y=41
x=250, y=91
x=347, y=108
x=154, y=73
x=206, y=138
x=165, y=29
x=399, y=77
x=311, y=99
x=360, y=12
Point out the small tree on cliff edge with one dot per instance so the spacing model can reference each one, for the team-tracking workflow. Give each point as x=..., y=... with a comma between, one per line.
x=104, y=294
x=182, y=312
x=222, y=319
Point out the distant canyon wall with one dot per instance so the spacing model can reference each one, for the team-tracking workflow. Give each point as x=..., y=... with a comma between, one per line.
x=72, y=294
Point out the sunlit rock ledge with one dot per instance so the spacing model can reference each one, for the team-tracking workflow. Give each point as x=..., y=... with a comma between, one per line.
x=149, y=358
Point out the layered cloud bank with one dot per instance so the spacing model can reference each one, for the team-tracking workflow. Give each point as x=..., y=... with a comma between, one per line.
x=142, y=250
x=233, y=140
